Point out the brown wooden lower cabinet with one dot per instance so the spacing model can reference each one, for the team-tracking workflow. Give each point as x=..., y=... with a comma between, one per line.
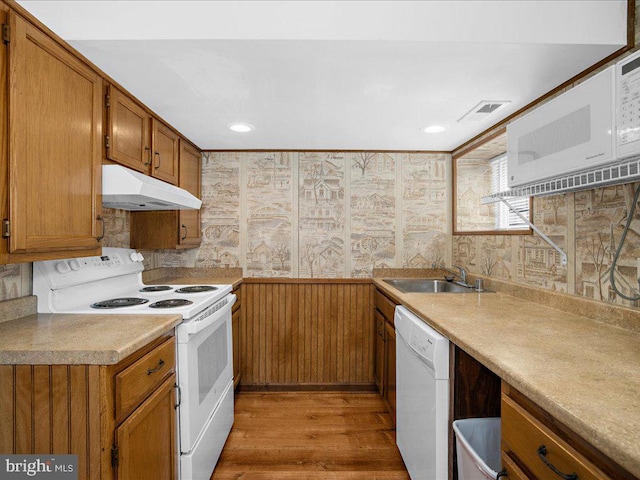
x=379, y=355
x=534, y=444
x=78, y=409
x=390, y=374
x=513, y=471
x=385, y=354
x=307, y=334
x=236, y=333
x=146, y=440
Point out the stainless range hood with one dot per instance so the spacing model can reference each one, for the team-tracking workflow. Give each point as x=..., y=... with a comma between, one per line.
x=129, y=190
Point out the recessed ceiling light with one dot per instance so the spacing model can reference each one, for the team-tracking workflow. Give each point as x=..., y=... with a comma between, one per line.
x=434, y=129
x=241, y=127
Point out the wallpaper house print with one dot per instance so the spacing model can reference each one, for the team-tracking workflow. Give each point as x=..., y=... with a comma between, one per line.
x=587, y=225
x=373, y=212
x=323, y=214
x=268, y=216
x=600, y=217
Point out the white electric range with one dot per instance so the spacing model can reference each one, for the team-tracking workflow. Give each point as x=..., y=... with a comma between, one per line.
x=112, y=284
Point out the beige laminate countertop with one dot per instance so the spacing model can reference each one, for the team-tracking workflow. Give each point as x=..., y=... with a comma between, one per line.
x=96, y=339
x=583, y=372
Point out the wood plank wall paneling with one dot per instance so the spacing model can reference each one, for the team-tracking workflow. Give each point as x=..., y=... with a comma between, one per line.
x=307, y=333
x=56, y=411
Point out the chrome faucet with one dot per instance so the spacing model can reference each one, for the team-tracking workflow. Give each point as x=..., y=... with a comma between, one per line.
x=461, y=274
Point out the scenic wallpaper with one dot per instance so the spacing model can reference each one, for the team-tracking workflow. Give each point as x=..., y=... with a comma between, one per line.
x=324, y=214
x=342, y=214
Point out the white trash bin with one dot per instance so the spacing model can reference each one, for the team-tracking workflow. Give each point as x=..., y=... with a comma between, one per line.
x=478, y=448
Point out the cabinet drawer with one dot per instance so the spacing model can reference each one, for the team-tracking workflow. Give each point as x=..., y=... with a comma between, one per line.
x=386, y=306
x=139, y=379
x=513, y=471
x=525, y=438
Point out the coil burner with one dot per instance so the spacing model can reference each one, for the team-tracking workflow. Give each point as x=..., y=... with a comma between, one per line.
x=171, y=303
x=196, y=289
x=156, y=288
x=120, y=302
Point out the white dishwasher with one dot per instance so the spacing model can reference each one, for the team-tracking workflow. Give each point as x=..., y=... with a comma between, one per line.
x=422, y=397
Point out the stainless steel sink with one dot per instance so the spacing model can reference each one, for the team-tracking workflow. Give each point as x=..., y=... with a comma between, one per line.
x=426, y=285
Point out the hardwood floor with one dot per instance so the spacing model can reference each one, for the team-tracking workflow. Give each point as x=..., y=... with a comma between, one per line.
x=310, y=435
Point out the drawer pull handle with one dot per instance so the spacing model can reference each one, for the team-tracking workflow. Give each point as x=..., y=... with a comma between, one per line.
x=179, y=393
x=101, y=236
x=154, y=370
x=542, y=452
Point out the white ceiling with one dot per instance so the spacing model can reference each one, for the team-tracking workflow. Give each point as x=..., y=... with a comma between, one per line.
x=358, y=75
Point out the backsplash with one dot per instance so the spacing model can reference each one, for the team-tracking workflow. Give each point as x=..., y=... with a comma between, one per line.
x=15, y=280
x=587, y=225
x=314, y=214
x=324, y=214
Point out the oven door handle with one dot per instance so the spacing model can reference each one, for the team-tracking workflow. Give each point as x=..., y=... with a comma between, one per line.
x=198, y=324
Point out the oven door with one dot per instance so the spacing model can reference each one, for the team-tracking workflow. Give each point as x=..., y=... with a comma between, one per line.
x=205, y=368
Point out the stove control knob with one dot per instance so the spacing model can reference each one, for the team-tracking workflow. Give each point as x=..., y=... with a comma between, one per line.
x=133, y=256
x=75, y=265
x=140, y=257
x=62, y=267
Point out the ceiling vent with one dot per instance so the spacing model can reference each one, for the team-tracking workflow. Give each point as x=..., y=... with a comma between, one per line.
x=482, y=110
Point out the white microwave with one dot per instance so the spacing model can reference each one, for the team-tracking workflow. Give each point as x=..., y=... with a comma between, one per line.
x=572, y=132
x=594, y=124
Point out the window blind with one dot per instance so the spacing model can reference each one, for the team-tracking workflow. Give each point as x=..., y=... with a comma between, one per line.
x=505, y=218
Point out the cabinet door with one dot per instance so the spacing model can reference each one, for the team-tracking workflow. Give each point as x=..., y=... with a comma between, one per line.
x=189, y=180
x=390, y=359
x=146, y=440
x=128, y=132
x=55, y=153
x=235, y=329
x=166, y=150
x=236, y=326
x=379, y=364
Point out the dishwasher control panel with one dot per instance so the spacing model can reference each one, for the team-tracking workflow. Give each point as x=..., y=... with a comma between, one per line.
x=426, y=343
x=421, y=343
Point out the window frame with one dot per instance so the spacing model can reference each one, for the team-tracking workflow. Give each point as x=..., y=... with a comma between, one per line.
x=497, y=144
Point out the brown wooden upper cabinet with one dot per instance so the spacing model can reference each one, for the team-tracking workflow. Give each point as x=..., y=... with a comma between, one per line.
x=137, y=140
x=190, y=180
x=50, y=168
x=176, y=228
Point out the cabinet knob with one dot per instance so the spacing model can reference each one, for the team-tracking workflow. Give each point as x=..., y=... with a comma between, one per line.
x=185, y=231
x=157, y=155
